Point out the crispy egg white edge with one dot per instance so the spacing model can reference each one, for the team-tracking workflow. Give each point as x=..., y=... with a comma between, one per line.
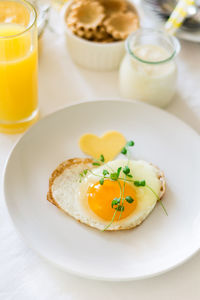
x=70, y=194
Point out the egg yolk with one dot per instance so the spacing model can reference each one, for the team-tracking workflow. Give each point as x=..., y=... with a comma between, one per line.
x=100, y=198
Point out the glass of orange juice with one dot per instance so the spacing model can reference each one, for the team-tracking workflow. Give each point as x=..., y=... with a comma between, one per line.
x=18, y=66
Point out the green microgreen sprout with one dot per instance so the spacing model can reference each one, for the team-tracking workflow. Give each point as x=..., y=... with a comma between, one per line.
x=101, y=181
x=85, y=171
x=102, y=159
x=118, y=171
x=114, y=176
x=125, y=148
x=160, y=200
x=120, y=208
x=105, y=172
x=96, y=164
x=118, y=202
x=99, y=161
x=139, y=183
x=124, y=151
x=129, y=199
x=122, y=193
x=130, y=143
x=126, y=170
x=115, y=201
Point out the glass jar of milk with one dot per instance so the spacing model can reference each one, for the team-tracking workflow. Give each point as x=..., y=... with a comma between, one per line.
x=148, y=72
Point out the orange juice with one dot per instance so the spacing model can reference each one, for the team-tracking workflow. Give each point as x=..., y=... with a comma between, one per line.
x=18, y=75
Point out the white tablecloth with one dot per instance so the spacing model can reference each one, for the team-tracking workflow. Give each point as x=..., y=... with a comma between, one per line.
x=24, y=275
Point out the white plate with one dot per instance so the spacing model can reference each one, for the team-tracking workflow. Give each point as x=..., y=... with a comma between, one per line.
x=160, y=243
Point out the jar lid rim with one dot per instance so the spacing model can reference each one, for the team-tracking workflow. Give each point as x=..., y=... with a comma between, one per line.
x=174, y=41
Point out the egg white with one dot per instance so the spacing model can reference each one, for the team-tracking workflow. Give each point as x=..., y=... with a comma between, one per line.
x=71, y=195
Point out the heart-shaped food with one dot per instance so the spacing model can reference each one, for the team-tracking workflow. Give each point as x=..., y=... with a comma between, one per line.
x=110, y=144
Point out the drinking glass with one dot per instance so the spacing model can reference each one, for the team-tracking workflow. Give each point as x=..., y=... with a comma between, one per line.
x=18, y=66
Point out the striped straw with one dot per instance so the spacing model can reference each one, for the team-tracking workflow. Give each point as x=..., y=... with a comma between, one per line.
x=178, y=15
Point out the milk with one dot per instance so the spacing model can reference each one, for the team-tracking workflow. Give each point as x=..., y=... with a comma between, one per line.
x=146, y=76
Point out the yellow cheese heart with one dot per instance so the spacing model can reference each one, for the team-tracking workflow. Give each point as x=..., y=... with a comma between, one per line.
x=110, y=144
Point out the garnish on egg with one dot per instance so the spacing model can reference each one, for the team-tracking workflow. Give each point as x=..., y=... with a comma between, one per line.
x=122, y=179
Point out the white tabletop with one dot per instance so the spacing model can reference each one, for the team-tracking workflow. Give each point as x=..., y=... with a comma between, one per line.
x=24, y=275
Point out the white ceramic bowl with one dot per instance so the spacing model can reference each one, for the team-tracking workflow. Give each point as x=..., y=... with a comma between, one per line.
x=92, y=55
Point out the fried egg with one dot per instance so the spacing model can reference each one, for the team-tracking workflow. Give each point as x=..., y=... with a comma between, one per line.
x=90, y=202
